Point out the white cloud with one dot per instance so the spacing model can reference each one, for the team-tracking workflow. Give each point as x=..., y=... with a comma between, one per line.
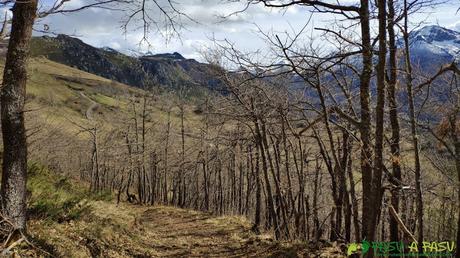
x=100, y=27
x=454, y=26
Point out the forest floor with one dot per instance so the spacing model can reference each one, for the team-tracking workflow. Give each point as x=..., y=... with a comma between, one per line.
x=67, y=221
x=135, y=231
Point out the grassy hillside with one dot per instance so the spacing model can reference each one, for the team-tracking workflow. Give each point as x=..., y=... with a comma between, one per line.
x=170, y=72
x=60, y=99
x=54, y=86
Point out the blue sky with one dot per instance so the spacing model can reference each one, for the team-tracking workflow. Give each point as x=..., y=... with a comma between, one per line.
x=101, y=27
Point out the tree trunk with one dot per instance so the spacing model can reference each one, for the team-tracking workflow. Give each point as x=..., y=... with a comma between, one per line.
x=271, y=205
x=365, y=126
x=13, y=93
x=256, y=172
x=395, y=135
x=354, y=201
x=277, y=184
x=165, y=171
x=377, y=191
x=241, y=179
x=413, y=127
x=456, y=142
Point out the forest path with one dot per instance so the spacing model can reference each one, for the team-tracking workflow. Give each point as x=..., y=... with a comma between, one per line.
x=194, y=234
x=128, y=230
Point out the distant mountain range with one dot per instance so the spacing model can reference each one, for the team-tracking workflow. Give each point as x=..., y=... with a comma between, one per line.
x=431, y=46
x=170, y=71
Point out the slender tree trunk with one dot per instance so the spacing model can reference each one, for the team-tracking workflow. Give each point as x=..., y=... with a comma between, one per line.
x=205, y=179
x=154, y=178
x=256, y=172
x=395, y=135
x=181, y=170
x=165, y=186
x=13, y=93
x=144, y=174
x=456, y=143
x=286, y=163
x=377, y=191
x=96, y=161
x=315, y=204
x=413, y=128
x=241, y=179
x=277, y=184
x=354, y=201
x=343, y=194
x=249, y=177
x=271, y=204
x=365, y=126
x=457, y=164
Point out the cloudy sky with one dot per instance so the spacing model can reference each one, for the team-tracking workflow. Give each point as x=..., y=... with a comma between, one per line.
x=103, y=27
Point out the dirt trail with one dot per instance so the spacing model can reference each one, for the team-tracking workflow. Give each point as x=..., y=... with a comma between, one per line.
x=161, y=231
x=191, y=234
x=91, y=108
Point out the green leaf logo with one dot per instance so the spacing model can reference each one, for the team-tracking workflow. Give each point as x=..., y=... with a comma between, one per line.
x=352, y=248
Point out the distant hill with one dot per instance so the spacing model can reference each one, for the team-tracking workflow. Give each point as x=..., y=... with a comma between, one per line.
x=169, y=71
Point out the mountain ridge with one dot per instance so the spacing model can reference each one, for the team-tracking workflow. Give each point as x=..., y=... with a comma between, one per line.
x=168, y=71
x=434, y=45
x=430, y=47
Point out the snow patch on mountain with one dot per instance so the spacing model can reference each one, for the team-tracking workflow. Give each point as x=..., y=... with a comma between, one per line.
x=436, y=40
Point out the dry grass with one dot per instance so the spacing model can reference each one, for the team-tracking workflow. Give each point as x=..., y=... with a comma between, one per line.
x=55, y=90
x=137, y=231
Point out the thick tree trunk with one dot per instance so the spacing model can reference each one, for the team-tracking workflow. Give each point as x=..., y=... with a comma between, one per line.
x=13, y=93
